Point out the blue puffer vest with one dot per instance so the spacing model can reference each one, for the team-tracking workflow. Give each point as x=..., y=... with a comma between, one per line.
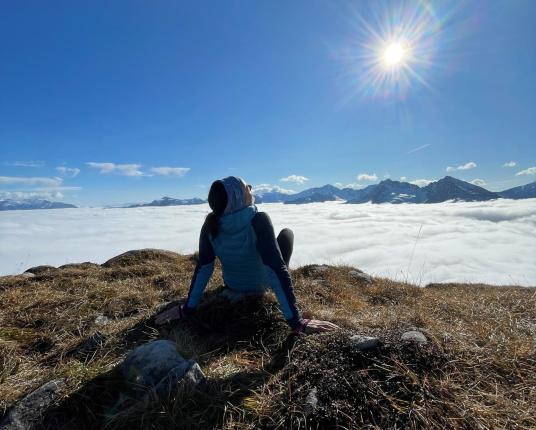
x=235, y=246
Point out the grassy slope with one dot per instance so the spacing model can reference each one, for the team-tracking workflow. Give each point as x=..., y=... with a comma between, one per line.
x=478, y=371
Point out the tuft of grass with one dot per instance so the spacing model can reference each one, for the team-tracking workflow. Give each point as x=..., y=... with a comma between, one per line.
x=477, y=371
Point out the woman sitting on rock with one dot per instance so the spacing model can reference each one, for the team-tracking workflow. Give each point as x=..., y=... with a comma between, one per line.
x=251, y=256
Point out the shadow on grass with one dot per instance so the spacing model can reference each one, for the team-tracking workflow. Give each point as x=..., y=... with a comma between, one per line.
x=217, y=328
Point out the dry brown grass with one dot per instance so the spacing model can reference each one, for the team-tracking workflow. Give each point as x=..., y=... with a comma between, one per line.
x=478, y=371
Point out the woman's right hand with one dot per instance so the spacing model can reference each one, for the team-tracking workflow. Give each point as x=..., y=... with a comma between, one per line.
x=174, y=313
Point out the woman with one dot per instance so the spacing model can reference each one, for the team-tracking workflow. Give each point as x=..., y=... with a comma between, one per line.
x=251, y=256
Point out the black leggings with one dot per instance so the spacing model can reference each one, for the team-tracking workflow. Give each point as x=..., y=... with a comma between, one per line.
x=285, y=240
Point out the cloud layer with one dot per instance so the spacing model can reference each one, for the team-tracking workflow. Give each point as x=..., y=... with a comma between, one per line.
x=25, y=181
x=491, y=242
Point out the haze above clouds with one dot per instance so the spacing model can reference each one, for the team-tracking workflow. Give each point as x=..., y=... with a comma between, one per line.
x=491, y=242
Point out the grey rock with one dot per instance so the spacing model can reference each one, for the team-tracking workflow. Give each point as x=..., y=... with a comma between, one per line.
x=26, y=413
x=28, y=275
x=361, y=276
x=311, y=401
x=364, y=343
x=414, y=336
x=102, y=320
x=157, y=366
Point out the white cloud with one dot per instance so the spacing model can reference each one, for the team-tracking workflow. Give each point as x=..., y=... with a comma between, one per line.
x=29, y=181
x=421, y=182
x=490, y=242
x=479, y=182
x=295, y=178
x=466, y=166
x=170, y=171
x=70, y=172
x=118, y=169
x=27, y=163
x=509, y=164
x=529, y=171
x=267, y=188
x=20, y=195
x=367, y=177
x=403, y=179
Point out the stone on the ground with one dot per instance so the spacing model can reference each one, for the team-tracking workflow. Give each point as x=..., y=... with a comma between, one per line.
x=361, y=276
x=27, y=412
x=158, y=366
x=311, y=401
x=28, y=275
x=102, y=320
x=414, y=336
x=364, y=343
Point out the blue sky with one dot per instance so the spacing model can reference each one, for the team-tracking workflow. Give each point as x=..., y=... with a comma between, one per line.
x=126, y=101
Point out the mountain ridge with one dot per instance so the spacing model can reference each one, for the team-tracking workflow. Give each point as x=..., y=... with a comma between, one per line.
x=386, y=191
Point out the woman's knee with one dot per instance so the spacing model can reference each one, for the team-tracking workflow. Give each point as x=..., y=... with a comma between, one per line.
x=288, y=233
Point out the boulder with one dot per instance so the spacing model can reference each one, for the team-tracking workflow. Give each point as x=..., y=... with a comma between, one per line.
x=158, y=367
x=28, y=275
x=364, y=343
x=27, y=412
x=361, y=276
x=414, y=336
x=138, y=256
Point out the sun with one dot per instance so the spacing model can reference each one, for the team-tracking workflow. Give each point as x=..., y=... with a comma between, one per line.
x=394, y=48
x=394, y=54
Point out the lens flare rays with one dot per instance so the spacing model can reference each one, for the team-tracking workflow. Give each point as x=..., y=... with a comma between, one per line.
x=393, y=49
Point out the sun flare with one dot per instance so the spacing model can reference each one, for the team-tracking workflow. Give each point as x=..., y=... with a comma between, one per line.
x=394, y=54
x=395, y=48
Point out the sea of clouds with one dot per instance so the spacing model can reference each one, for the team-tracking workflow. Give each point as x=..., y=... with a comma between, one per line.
x=490, y=242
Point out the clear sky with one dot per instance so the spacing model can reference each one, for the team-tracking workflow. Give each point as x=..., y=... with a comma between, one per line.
x=128, y=101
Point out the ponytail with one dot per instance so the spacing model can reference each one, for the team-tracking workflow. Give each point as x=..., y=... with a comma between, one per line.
x=217, y=200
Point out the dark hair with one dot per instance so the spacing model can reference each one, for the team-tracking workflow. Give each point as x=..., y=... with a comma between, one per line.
x=217, y=200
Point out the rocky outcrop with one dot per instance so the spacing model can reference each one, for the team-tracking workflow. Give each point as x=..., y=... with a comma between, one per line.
x=156, y=368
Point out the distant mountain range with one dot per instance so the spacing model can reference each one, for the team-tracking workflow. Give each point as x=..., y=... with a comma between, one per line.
x=28, y=204
x=169, y=201
x=389, y=191
x=386, y=191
